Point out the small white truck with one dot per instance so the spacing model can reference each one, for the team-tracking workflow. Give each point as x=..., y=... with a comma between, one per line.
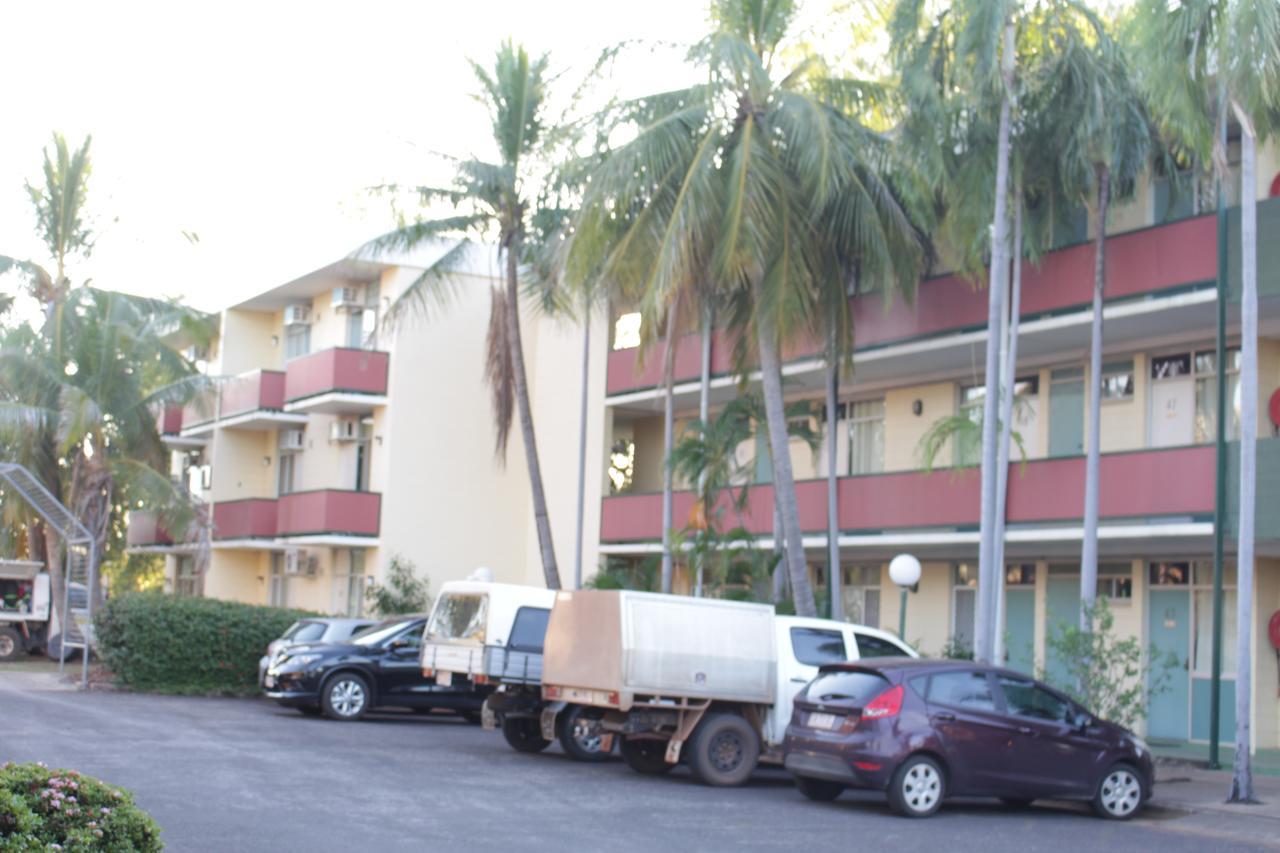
x=492, y=634
x=25, y=608
x=710, y=681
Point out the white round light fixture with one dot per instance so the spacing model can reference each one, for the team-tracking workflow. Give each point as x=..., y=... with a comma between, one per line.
x=904, y=570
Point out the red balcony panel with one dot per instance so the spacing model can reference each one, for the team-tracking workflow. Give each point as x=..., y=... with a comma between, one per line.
x=354, y=371
x=1139, y=262
x=249, y=392
x=330, y=511
x=170, y=420
x=1152, y=483
x=144, y=529
x=250, y=518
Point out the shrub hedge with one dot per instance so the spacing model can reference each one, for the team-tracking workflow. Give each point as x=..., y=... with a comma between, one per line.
x=163, y=644
x=43, y=809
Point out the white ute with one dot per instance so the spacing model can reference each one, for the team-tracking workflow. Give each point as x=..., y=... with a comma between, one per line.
x=708, y=680
x=492, y=634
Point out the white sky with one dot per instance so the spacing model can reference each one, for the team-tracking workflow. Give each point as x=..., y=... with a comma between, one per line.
x=258, y=126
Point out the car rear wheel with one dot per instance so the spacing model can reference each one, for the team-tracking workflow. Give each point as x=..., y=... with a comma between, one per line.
x=724, y=750
x=819, y=790
x=345, y=697
x=917, y=787
x=646, y=756
x=581, y=735
x=10, y=644
x=1119, y=793
x=524, y=734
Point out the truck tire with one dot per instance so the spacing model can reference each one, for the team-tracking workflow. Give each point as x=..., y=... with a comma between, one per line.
x=524, y=734
x=646, y=756
x=11, y=644
x=580, y=734
x=724, y=750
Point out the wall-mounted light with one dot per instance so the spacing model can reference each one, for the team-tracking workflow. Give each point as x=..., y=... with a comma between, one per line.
x=275, y=340
x=266, y=461
x=917, y=407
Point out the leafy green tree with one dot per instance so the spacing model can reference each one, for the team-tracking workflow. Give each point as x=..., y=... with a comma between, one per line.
x=492, y=200
x=763, y=182
x=1202, y=60
x=404, y=591
x=78, y=394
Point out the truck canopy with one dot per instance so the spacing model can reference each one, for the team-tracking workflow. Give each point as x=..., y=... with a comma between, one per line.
x=487, y=629
x=646, y=644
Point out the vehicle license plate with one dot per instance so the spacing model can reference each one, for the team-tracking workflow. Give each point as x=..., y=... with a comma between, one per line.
x=822, y=721
x=269, y=681
x=444, y=679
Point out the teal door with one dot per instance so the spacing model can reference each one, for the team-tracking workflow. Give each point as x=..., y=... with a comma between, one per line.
x=1062, y=605
x=1169, y=629
x=1020, y=630
x=1066, y=412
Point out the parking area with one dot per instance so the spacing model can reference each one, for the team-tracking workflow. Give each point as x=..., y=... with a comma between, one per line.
x=243, y=774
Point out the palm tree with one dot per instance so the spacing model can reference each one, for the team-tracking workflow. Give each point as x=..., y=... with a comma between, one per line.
x=1201, y=57
x=491, y=200
x=957, y=70
x=763, y=184
x=1105, y=144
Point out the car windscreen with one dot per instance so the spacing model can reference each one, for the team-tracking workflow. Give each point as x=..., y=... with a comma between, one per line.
x=852, y=688
x=305, y=632
x=459, y=616
x=529, y=631
x=376, y=635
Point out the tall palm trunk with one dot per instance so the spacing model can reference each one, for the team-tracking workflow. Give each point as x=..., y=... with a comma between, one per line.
x=1089, y=548
x=995, y=308
x=833, y=492
x=582, y=448
x=1242, y=771
x=704, y=414
x=784, y=484
x=1010, y=371
x=541, y=518
x=668, y=441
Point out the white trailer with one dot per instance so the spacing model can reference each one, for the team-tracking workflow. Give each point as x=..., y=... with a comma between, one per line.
x=25, y=608
x=707, y=680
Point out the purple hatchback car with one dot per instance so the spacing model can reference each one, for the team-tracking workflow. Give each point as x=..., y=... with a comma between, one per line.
x=923, y=730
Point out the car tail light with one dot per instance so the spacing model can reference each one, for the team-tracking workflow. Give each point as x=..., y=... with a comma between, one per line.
x=887, y=704
x=482, y=679
x=866, y=765
x=614, y=698
x=551, y=692
x=427, y=672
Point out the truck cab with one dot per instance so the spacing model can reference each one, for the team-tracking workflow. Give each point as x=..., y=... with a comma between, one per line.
x=25, y=607
x=804, y=645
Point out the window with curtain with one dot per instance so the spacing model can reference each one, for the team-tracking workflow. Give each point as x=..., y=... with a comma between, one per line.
x=861, y=595
x=297, y=340
x=1206, y=425
x=866, y=436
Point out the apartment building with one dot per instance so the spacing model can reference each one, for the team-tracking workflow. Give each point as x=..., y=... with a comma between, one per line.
x=916, y=364
x=333, y=444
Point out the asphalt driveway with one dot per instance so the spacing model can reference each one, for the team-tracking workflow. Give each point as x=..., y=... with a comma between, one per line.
x=234, y=774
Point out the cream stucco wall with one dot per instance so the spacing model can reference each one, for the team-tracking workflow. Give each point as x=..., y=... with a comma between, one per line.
x=247, y=342
x=239, y=470
x=904, y=429
x=928, y=609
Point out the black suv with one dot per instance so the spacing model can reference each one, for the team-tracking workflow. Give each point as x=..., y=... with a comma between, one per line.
x=377, y=669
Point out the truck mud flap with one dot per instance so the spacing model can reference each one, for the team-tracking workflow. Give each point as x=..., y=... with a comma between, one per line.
x=549, y=715
x=689, y=718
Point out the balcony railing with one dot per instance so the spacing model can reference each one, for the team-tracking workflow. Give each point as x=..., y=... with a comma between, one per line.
x=324, y=512
x=1143, y=484
x=329, y=511
x=250, y=392
x=336, y=371
x=1138, y=263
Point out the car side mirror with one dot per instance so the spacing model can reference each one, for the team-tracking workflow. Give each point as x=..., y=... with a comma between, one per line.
x=398, y=646
x=1081, y=720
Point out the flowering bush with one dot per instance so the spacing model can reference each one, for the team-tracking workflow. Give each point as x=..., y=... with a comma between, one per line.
x=43, y=809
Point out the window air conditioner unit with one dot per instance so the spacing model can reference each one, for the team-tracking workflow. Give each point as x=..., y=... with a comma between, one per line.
x=299, y=562
x=292, y=439
x=297, y=315
x=346, y=298
x=345, y=429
